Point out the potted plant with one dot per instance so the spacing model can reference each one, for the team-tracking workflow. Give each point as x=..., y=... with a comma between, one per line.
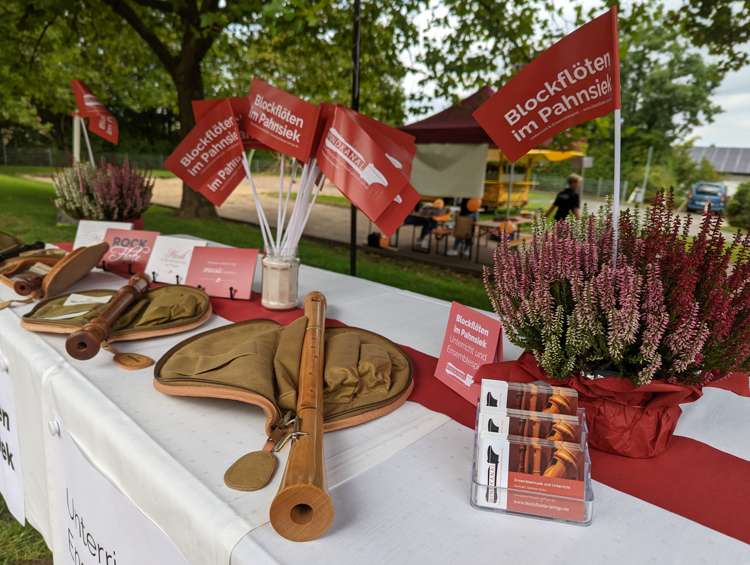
x=108, y=192
x=635, y=337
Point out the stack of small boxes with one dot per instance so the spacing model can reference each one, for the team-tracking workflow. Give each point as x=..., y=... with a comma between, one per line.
x=531, y=455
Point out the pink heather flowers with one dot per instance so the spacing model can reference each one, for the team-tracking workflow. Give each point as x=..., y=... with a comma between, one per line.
x=108, y=192
x=675, y=307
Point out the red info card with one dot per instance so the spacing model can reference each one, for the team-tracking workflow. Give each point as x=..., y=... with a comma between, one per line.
x=471, y=340
x=225, y=272
x=281, y=121
x=126, y=247
x=101, y=121
x=241, y=107
x=394, y=216
x=210, y=157
x=358, y=166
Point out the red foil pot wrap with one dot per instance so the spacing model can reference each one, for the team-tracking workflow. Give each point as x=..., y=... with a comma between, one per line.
x=629, y=420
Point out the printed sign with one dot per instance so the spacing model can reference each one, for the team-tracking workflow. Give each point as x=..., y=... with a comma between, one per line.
x=129, y=248
x=210, y=158
x=91, y=232
x=575, y=80
x=358, y=166
x=282, y=121
x=394, y=216
x=93, y=522
x=471, y=340
x=101, y=121
x=224, y=272
x=240, y=106
x=11, y=476
x=170, y=259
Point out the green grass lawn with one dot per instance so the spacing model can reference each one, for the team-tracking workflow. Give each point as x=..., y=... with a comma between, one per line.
x=27, y=211
x=19, y=545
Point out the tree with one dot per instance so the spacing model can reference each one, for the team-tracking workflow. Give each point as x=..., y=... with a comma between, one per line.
x=738, y=209
x=722, y=26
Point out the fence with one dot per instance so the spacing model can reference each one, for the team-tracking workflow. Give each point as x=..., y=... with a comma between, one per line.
x=58, y=158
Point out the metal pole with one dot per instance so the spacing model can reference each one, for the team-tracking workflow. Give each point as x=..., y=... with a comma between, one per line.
x=5, y=154
x=510, y=194
x=76, y=139
x=355, y=107
x=642, y=194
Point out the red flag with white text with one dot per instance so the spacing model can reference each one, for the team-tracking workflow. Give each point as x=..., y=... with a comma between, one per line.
x=241, y=107
x=281, y=121
x=359, y=167
x=210, y=157
x=100, y=121
x=574, y=81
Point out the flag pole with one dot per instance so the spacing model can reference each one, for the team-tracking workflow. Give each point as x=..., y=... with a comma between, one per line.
x=355, y=106
x=616, y=196
x=76, y=138
x=88, y=142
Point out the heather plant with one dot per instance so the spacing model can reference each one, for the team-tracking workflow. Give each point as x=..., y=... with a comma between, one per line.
x=108, y=192
x=674, y=307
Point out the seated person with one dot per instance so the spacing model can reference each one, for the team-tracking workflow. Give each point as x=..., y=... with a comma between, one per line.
x=469, y=209
x=426, y=215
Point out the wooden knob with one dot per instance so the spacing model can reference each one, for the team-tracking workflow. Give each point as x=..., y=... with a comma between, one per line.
x=26, y=283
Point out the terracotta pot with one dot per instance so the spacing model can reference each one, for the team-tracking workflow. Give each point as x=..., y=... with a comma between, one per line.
x=633, y=421
x=137, y=223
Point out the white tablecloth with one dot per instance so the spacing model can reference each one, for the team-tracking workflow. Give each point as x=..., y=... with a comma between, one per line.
x=400, y=484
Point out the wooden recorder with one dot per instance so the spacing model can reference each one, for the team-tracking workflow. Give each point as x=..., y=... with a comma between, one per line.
x=86, y=342
x=302, y=509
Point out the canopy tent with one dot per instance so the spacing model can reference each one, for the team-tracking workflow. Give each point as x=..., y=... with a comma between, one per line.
x=453, y=150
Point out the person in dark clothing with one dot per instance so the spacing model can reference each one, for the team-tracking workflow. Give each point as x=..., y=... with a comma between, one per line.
x=568, y=200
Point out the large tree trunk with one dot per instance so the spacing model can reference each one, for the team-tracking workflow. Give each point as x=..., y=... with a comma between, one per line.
x=189, y=83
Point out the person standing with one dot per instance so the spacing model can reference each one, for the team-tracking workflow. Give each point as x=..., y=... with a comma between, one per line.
x=567, y=200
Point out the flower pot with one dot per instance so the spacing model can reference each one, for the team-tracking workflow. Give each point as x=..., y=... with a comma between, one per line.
x=629, y=420
x=137, y=223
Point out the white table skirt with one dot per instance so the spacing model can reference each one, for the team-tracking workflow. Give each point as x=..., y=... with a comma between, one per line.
x=400, y=484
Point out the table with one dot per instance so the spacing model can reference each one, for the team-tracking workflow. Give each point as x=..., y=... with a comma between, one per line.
x=400, y=484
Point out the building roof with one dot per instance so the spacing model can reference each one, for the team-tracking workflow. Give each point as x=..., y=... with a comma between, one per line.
x=454, y=124
x=727, y=160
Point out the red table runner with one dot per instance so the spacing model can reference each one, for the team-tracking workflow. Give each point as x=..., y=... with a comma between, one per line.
x=691, y=479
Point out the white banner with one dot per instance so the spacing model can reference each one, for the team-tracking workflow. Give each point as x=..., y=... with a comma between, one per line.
x=93, y=522
x=11, y=476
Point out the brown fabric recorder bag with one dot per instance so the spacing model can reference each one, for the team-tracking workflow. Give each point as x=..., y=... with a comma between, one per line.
x=257, y=362
x=161, y=311
x=58, y=271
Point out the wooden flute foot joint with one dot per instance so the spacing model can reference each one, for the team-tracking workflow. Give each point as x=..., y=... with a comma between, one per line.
x=302, y=512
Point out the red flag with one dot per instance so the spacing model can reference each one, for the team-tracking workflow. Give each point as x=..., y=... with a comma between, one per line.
x=575, y=80
x=210, y=157
x=394, y=216
x=281, y=121
x=101, y=122
x=357, y=165
x=241, y=107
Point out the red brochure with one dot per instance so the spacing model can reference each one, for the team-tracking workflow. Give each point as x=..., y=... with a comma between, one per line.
x=101, y=121
x=352, y=160
x=575, y=80
x=394, y=216
x=281, y=121
x=471, y=340
x=225, y=272
x=210, y=157
x=129, y=248
x=241, y=107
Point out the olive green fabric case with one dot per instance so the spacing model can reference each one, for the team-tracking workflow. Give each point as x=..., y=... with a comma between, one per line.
x=7, y=241
x=162, y=311
x=366, y=375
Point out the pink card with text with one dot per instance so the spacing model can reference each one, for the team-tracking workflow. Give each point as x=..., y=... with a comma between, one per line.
x=129, y=247
x=472, y=339
x=223, y=272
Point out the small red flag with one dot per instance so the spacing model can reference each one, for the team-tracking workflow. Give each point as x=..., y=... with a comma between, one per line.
x=210, y=157
x=575, y=80
x=281, y=121
x=101, y=121
x=241, y=107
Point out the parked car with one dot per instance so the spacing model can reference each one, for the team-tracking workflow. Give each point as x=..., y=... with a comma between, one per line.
x=704, y=193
